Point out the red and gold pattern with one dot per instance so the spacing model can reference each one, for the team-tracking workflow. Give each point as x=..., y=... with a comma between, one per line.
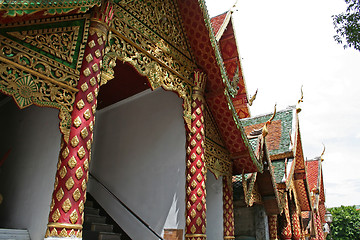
x=228, y=208
x=295, y=222
x=286, y=224
x=195, y=166
x=319, y=229
x=67, y=207
x=273, y=225
x=207, y=56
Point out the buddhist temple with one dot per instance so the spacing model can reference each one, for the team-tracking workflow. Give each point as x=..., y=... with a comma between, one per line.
x=130, y=120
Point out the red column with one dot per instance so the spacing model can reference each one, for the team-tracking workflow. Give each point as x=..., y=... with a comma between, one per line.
x=286, y=224
x=66, y=210
x=319, y=228
x=228, y=208
x=273, y=226
x=295, y=222
x=195, y=168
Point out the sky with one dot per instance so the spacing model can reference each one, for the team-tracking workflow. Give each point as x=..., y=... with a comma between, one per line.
x=285, y=44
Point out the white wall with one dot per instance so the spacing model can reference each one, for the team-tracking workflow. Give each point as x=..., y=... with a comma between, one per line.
x=27, y=176
x=139, y=153
x=214, y=202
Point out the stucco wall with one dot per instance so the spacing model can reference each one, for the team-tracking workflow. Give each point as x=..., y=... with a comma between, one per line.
x=27, y=175
x=139, y=153
x=214, y=202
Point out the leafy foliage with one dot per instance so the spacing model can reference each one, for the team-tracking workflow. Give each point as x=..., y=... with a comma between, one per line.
x=347, y=25
x=346, y=223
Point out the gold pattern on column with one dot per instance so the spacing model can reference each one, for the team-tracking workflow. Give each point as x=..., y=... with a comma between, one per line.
x=195, y=166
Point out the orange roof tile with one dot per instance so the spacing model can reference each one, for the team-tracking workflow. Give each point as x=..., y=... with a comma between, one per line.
x=217, y=21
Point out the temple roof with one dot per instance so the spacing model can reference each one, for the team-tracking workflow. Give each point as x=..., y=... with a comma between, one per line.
x=218, y=21
x=281, y=130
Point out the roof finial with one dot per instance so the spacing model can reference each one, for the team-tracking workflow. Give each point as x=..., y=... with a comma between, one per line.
x=253, y=98
x=322, y=154
x=265, y=130
x=298, y=109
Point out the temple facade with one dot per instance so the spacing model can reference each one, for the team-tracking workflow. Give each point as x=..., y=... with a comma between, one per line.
x=136, y=110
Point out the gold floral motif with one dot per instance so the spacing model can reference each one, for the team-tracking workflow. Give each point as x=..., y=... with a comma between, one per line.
x=76, y=194
x=90, y=97
x=188, y=221
x=193, y=156
x=81, y=206
x=188, y=178
x=91, y=44
x=199, y=207
x=84, y=87
x=56, y=182
x=87, y=114
x=193, y=170
x=193, y=184
x=158, y=73
x=217, y=159
x=56, y=215
x=188, y=190
x=92, y=81
x=193, y=198
x=80, y=104
x=193, y=229
x=95, y=67
x=69, y=183
x=199, y=192
x=65, y=153
x=89, y=58
x=74, y=217
x=79, y=173
x=87, y=72
x=198, y=150
x=86, y=164
x=193, y=143
x=60, y=194
x=199, y=177
x=88, y=144
x=81, y=152
x=62, y=172
x=193, y=213
x=72, y=162
x=77, y=122
x=66, y=205
x=74, y=141
x=84, y=133
x=52, y=205
x=203, y=215
x=199, y=164
x=198, y=221
x=83, y=185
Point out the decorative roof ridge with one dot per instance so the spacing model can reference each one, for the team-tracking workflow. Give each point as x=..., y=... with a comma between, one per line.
x=226, y=82
x=292, y=107
x=224, y=25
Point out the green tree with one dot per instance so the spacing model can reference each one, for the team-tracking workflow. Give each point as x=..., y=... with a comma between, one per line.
x=346, y=223
x=347, y=25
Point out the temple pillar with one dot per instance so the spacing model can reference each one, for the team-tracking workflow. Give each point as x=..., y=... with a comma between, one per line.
x=228, y=208
x=195, y=212
x=295, y=222
x=67, y=206
x=319, y=227
x=286, y=224
x=273, y=227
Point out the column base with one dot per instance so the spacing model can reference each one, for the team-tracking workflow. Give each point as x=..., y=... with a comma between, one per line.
x=195, y=236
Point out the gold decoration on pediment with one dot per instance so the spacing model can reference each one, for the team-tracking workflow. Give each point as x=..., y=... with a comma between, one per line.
x=159, y=20
x=211, y=129
x=60, y=42
x=217, y=159
x=165, y=66
x=40, y=61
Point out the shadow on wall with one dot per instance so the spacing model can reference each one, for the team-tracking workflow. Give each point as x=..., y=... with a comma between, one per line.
x=139, y=153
